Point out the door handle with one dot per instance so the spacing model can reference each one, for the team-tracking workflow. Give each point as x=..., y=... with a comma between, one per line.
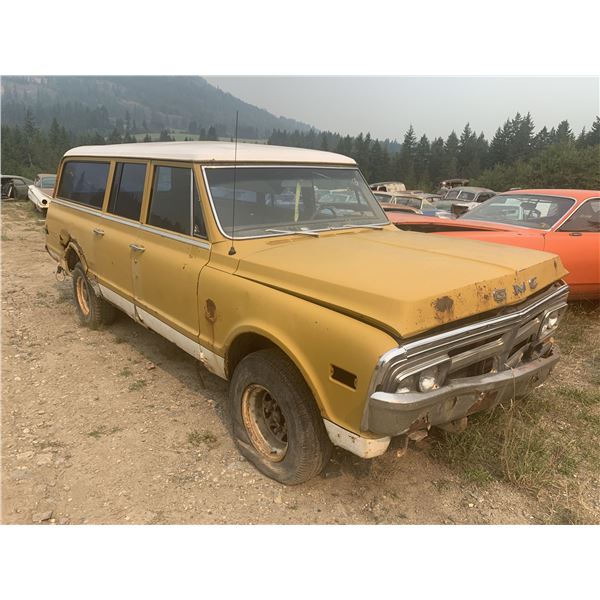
x=99, y=231
x=137, y=248
x=575, y=234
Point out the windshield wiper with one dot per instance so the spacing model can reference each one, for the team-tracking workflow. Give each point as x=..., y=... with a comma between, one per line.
x=293, y=232
x=358, y=227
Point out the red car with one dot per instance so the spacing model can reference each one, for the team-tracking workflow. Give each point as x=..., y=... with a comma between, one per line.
x=565, y=222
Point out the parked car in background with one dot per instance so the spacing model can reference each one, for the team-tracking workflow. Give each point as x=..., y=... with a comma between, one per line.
x=387, y=207
x=40, y=192
x=14, y=187
x=465, y=198
x=421, y=205
x=391, y=201
x=332, y=327
x=445, y=205
x=565, y=222
x=448, y=184
x=388, y=186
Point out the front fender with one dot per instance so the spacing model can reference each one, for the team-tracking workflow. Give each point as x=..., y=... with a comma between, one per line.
x=315, y=338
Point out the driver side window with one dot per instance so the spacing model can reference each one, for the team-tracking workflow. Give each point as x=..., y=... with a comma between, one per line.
x=585, y=219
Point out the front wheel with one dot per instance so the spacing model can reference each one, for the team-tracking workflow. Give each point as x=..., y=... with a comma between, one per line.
x=275, y=421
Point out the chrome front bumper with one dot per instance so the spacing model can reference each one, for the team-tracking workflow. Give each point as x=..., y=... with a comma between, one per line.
x=486, y=362
x=394, y=414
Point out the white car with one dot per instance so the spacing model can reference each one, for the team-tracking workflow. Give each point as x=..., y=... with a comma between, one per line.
x=40, y=193
x=465, y=198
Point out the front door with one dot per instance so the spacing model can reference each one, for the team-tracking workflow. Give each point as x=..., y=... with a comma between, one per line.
x=171, y=251
x=577, y=242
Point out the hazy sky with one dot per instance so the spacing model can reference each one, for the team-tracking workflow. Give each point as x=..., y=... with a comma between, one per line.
x=386, y=106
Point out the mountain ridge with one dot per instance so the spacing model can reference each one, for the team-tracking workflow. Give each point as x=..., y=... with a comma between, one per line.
x=151, y=103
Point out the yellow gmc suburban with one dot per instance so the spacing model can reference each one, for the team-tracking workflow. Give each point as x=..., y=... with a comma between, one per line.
x=279, y=271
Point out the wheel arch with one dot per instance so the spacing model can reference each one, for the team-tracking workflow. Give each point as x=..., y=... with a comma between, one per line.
x=248, y=340
x=73, y=254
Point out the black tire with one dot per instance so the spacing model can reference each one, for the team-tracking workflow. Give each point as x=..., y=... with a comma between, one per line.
x=307, y=445
x=92, y=310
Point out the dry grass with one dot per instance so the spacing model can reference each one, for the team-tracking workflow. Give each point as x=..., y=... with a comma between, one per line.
x=546, y=444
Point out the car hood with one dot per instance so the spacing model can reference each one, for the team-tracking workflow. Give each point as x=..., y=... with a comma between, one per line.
x=401, y=281
x=463, y=224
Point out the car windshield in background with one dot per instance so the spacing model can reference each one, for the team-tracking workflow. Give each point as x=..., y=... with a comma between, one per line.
x=407, y=201
x=48, y=182
x=460, y=195
x=538, y=212
x=276, y=200
x=444, y=204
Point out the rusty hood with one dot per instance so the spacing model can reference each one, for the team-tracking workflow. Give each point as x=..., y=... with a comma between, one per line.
x=403, y=281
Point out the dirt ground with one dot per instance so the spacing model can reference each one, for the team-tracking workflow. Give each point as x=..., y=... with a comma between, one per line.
x=120, y=426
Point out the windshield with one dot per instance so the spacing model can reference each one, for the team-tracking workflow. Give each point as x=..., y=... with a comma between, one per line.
x=443, y=204
x=291, y=199
x=459, y=195
x=408, y=201
x=48, y=182
x=382, y=197
x=538, y=212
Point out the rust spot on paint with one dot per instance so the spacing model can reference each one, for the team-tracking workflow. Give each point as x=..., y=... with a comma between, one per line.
x=443, y=304
x=210, y=311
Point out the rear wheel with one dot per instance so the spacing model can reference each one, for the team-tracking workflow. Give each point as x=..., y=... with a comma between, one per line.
x=275, y=421
x=92, y=310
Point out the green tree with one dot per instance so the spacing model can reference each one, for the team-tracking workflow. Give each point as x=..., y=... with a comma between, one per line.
x=422, y=157
x=541, y=140
x=559, y=165
x=564, y=133
x=437, y=162
x=499, y=146
x=344, y=146
x=593, y=135
x=467, y=152
x=324, y=145
x=164, y=136
x=451, y=157
x=522, y=142
x=115, y=137
x=212, y=134
x=406, y=161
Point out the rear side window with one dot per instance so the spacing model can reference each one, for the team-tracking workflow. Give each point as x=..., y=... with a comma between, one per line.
x=127, y=190
x=171, y=201
x=84, y=182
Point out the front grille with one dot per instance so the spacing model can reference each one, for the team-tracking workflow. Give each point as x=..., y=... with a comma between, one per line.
x=491, y=345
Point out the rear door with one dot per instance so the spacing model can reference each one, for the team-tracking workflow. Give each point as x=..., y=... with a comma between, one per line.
x=172, y=250
x=577, y=242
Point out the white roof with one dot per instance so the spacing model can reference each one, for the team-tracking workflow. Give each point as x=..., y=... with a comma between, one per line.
x=212, y=152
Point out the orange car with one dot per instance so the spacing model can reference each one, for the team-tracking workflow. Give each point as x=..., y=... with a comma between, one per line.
x=565, y=222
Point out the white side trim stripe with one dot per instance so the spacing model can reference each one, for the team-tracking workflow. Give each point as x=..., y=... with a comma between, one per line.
x=211, y=361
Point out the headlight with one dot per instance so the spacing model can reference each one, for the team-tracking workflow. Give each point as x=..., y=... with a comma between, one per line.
x=430, y=379
x=550, y=321
x=426, y=379
x=405, y=385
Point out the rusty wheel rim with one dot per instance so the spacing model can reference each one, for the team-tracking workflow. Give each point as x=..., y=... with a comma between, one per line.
x=83, y=298
x=264, y=422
